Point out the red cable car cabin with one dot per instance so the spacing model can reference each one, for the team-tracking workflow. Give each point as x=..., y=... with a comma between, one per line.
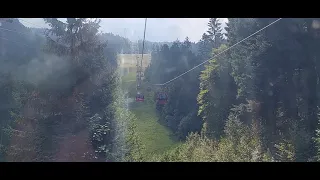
x=162, y=98
x=139, y=98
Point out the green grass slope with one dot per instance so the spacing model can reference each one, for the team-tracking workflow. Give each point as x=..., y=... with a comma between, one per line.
x=155, y=137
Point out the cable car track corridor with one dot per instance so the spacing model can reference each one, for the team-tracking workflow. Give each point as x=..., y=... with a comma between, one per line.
x=155, y=137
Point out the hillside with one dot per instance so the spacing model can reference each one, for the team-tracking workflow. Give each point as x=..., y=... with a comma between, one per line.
x=155, y=138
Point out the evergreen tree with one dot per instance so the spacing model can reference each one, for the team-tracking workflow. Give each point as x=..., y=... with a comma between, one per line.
x=214, y=32
x=78, y=42
x=217, y=94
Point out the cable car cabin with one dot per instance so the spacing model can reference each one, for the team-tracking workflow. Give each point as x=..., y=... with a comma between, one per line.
x=162, y=98
x=139, y=98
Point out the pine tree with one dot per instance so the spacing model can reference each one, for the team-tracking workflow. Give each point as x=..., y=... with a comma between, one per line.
x=77, y=40
x=214, y=32
x=217, y=94
x=205, y=48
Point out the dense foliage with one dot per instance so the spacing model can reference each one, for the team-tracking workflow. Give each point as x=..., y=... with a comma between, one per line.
x=260, y=97
x=258, y=101
x=60, y=99
x=180, y=113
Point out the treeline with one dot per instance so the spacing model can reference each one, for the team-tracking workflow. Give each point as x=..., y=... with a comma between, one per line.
x=123, y=45
x=256, y=102
x=180, y=114
x=120, y=45
x=60, y=98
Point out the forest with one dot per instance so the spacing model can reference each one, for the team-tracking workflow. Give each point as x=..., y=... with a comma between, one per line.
x=63, y=99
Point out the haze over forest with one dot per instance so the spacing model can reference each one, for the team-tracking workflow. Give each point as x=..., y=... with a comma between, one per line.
x=65, y=96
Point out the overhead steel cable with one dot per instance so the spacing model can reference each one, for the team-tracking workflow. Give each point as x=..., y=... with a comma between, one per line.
x=220, y=52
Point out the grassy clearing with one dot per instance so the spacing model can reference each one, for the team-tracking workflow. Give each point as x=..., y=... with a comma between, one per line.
x=155, y=137
x=128, y=82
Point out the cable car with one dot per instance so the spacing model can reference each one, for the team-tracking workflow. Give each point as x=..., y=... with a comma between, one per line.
x=162, y=98
x=139, y=97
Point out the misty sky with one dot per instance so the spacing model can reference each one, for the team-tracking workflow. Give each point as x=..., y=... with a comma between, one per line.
x=158, y=29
